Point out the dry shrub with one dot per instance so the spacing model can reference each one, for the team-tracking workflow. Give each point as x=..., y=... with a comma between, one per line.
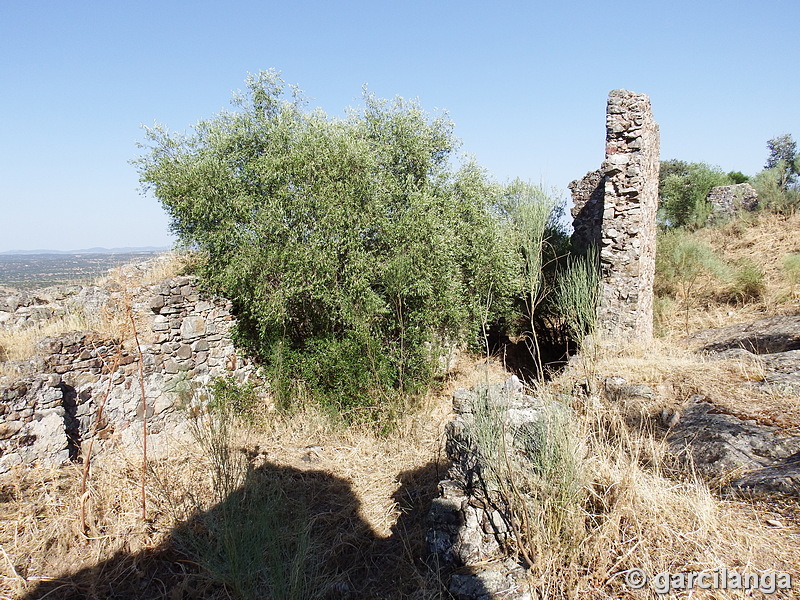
x=148, y=272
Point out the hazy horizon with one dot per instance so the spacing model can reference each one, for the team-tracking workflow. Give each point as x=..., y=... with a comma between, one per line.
x=92, y=250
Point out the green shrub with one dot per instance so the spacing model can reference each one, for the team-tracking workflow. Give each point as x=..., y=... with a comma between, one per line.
x=772, y=195
x=533, y=217
x=348, y=246
x=791, y=264
x=240, y=399
x=747, y=283
x=577, y=294
x=737, y=177
x=683, y=189
x=680, y=260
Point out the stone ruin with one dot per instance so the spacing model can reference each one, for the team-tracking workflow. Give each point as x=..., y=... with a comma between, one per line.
x=470, y=521
x=615, y=212
x=50, y=412
x=729, y=200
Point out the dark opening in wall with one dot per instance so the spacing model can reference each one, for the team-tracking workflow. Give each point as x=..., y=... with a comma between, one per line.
x=521, y=359
x=71, y=423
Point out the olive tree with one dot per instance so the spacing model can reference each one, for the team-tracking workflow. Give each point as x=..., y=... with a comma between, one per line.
x=784, y=159
x=350, y=247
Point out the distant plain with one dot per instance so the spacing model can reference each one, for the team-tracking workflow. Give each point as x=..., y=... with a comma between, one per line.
x=33, y=271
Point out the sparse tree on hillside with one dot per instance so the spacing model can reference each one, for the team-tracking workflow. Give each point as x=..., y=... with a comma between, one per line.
x=783, y=157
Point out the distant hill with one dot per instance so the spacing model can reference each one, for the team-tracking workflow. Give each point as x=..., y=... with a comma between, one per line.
x=126, y=250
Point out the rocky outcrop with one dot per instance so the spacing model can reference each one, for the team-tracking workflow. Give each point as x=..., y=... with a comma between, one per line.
x=742, y=456
x=729, y=200
x=737, y=455
x=750, y=457
x=773, y=343
x=615, y=210
x=765, y=336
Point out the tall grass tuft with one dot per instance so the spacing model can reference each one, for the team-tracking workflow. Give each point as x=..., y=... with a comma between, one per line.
x=530, y=211
x=791, y=265
x=577, y=295
x=537, y=470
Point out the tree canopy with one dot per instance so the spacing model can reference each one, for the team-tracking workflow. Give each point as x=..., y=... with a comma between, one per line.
x=784, y=159
x=351, y=247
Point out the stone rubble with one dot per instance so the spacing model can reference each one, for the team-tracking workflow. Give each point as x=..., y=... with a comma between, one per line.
x=48, y=413
x=469, y=522
x=729, y=200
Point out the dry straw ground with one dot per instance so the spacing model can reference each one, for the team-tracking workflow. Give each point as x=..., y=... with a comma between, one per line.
x=366, y=494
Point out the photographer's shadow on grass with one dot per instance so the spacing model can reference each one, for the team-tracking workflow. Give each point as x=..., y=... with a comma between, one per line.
x=285, y=533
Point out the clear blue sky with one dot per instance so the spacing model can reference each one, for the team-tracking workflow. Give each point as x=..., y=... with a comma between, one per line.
x=525, y=83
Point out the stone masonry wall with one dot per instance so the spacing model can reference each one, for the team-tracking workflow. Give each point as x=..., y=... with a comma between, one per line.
x=728, y=200
x=588, y=196
x=47, y=416
x=628, y=185
x=470, y=522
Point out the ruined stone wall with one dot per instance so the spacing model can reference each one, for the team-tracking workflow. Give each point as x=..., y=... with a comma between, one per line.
x=728, y=200
x=48, y=416
x=588, y=196
x=470, y=522
x=628, y=182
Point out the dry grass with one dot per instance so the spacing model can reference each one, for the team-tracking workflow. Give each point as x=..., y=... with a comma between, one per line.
x=149, y=272
x=641, y=512
x=676, y=373
x=19, y=343
x=763, y=240
x=366, y=494
x=380, y=487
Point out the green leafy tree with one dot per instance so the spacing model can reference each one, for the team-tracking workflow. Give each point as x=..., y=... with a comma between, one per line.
x=784, y=158
x=683, y=189
x=736, y=177
x=350, y=247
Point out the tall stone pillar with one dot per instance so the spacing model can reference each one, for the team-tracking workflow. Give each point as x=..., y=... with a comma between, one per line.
x=617, y=207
